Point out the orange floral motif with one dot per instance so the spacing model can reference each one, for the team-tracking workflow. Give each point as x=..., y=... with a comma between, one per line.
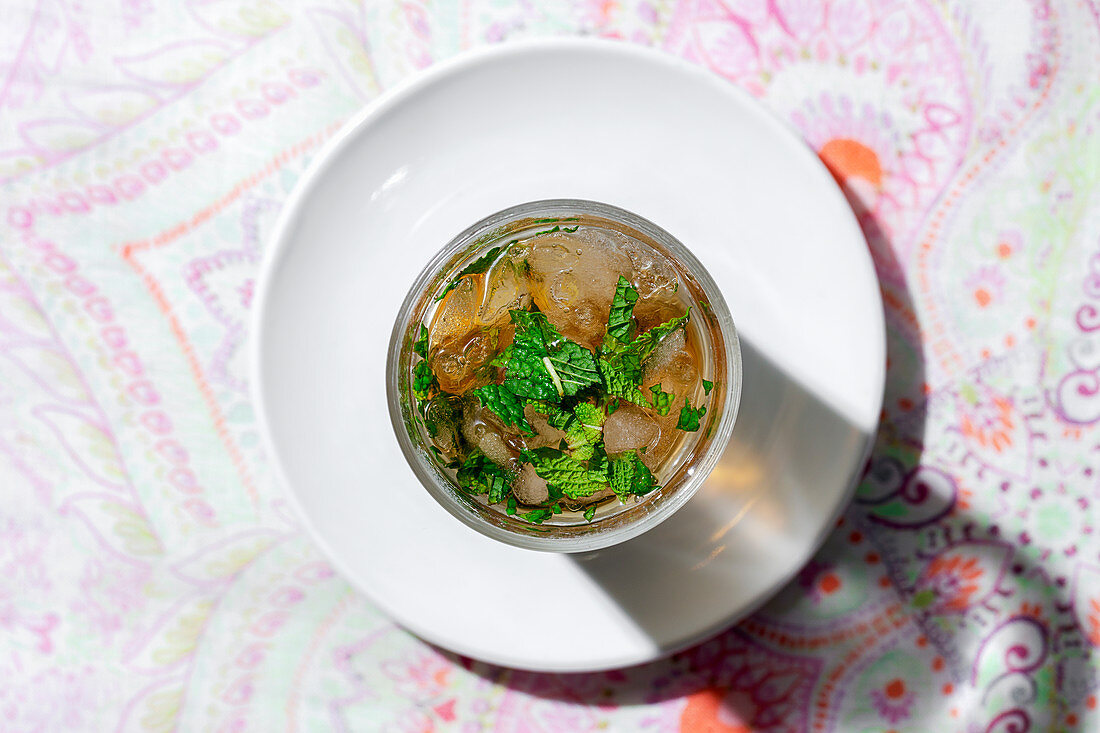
x=954, y=580
x=1094, y=621
x=716, y=711
x=996, y=430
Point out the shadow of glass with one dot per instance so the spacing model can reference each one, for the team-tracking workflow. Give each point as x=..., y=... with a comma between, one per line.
x=752, y=525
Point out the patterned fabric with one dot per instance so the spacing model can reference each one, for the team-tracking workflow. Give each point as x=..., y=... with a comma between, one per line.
x=151, y=576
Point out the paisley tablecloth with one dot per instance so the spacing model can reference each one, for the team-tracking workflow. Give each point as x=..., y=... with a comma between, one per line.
x=151, y=575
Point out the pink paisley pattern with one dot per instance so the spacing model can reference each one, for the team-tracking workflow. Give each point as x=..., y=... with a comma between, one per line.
x=151, y=576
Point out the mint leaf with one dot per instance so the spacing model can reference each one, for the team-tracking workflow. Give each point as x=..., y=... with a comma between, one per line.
x=423, y=376
x=420, y=346
x=537, y=516
x=478, y=266
x=555, y=416
x=689, y=417
x=707, y=385
x=544, y=365
x=629, y=476
x=621, y=320
x=621, y=369
x=585, y=431
x=646, y=342
x=479, y=475
x=612, y=406
x=423, y=379
x=504, y=404
x=662, y=401
x=589, y=414
x=565, y=474
x=589, y=513
x=511, y=505
x=621, y=363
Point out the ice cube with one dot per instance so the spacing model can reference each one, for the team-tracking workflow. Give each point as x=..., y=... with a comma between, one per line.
x=630, y=428
x=545, y=435
x=455, y=316
x=497, y=451
x=529, y=487
x=657, y=309
x=457, y=363
x=482, y=430
x=653, y=273
x=573, y=282
x=506, y=288
x=671, y=346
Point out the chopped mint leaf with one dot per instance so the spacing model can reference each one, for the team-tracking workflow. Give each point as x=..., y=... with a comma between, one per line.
x=621, y=363
x=420, y=346
x=504, y=404
x=537, y=516
x=621, y=320
x=621, y=369
x=565, y=473
x=571, y=229
x=689, y=417
x=423, y=376
x=589, y=414
x=544, y=365
x=547, y=231
x=612, y=406
x=547, y=221
x=511, y=509
x=630, y=476
x=645, y=343
x=478, y=266
x=585, y=431
x=590, y=513
x=423, y=379
x=707, y=385
x=479, y=475
x=662, y=401
x=556, y=507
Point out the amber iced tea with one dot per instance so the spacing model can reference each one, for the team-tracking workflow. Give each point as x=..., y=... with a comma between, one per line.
x=562, y=371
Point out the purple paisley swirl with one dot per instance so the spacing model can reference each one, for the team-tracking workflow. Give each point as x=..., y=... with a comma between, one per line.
x=1010, y=721
x=1088, y=318
x=883, y=480
x=1078, y=397
x=926, y=495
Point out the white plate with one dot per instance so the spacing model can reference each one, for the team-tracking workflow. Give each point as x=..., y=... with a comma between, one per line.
x=570, y=119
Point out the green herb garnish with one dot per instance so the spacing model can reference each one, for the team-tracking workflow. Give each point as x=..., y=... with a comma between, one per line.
x=478, y=266
x=690, y=416
x=537, y=516
x=707, y=385
x=423, y=376
x=630, y=476
x=565, y=474
x=620, y=323
x=621, y=358
x=590, y=512
x=479, y=475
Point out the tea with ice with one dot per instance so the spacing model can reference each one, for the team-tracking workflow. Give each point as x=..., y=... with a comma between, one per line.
x=562, y=374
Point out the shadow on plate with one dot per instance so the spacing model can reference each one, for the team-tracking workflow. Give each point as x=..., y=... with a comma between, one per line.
x=761, y=501
x=725, y=676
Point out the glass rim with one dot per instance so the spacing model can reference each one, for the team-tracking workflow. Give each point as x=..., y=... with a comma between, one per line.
x=651, y=511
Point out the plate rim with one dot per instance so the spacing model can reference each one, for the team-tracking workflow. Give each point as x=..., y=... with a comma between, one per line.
x=278, y=244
